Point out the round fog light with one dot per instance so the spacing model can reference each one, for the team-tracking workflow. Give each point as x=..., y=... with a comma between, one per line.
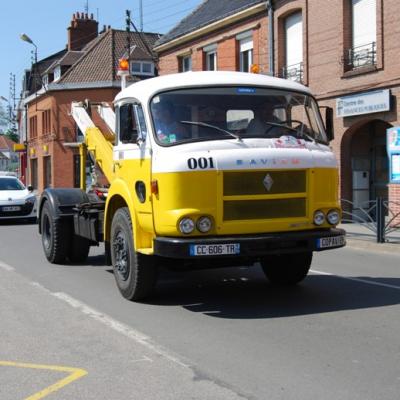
x=333, y=217
x=204, y=224
x=186, y=225
x=319, y=218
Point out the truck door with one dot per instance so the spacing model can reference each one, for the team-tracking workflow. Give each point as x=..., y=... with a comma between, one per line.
x=132, y=158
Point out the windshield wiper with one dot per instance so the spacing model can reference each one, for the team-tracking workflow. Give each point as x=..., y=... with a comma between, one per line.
x=198, y=123
x=300, y=133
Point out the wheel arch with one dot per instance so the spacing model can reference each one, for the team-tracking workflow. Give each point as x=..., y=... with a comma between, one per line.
x=62, y=201
x=119, y=196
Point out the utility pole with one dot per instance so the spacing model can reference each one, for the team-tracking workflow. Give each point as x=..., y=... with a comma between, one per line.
x=141, y=14
x=11, y=102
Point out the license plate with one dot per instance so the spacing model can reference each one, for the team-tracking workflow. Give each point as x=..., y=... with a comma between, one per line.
x=327, y=242
x=11, y=208
x=214, y=249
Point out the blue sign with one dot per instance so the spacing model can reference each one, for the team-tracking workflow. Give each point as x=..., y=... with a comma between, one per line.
x=393, y=150
x=246, y=90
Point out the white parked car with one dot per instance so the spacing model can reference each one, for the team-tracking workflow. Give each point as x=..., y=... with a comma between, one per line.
x=16, y=200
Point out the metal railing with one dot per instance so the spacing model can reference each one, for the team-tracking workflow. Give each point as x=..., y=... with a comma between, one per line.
x=361, y=56
x=293, y=72
x=380, y=216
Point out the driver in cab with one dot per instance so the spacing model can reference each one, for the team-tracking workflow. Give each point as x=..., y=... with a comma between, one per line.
x=168, y=129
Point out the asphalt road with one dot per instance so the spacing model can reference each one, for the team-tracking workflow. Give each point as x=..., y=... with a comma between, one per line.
x=66, y=333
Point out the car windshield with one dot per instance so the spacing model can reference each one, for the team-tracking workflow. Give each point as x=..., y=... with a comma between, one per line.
x=199, y=114
x=11, y=184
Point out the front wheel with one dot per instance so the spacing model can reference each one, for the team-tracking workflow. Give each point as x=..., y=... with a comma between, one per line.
x=287, y=269
x=135, y=273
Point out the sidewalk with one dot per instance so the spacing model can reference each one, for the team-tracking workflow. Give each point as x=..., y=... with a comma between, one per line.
x=360, y=237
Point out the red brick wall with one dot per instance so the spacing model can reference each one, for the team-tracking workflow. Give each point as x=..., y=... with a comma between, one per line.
x=63, y=131
x=394, y=204
x=226, y=45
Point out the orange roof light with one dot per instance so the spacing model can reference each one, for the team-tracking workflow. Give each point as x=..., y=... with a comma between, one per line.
x=123, y=64
x=255, y=69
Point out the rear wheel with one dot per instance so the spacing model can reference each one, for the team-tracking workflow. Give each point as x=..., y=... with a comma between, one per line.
x=135, y=273
x=56, y=235
x=287, y=269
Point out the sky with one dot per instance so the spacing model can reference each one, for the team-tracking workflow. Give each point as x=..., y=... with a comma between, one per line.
x=46, y=22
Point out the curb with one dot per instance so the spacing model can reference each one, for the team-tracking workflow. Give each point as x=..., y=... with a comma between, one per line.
x=371, y=247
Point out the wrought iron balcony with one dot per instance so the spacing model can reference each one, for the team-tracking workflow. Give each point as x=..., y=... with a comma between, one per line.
x=293, y=72
x=361, y=56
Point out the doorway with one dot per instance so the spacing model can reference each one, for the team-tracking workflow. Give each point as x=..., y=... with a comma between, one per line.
x=369, y=164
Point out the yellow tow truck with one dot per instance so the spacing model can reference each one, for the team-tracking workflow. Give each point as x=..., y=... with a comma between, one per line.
x=206, y=169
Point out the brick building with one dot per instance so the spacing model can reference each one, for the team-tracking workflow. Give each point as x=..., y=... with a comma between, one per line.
x=86, y=69
x=344, y=50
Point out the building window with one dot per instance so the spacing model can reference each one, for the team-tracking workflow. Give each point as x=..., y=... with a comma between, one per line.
x=33, y=127
x=246, y=54
x=363, y=44
x=46, y=122
x=293, y=69
x=142, y=68
x=47, y=171
x=186, y=63
x=34, y=173
x=211, y=57
x=57, y=73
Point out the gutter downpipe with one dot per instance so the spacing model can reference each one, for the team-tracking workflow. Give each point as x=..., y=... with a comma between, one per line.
x=271, y=49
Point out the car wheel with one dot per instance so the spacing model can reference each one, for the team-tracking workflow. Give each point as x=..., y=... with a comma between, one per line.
x=287, y=269
x=55, y=235
x=135, y=273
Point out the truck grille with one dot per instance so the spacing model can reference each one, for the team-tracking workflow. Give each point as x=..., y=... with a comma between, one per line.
x=248, y=183
x=270, y=194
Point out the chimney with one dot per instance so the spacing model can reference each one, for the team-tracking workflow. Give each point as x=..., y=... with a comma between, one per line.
x=83, y=29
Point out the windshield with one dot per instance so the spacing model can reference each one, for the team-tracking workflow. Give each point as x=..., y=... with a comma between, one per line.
x=234, y=112
x=11, y=184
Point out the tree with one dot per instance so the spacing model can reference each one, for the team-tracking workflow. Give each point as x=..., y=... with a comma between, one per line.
x=11, y=134
x=3, y=118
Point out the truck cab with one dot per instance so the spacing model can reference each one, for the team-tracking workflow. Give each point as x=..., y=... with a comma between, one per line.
x=211, y=169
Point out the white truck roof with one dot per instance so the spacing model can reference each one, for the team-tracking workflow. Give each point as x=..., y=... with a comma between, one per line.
x=147, y=88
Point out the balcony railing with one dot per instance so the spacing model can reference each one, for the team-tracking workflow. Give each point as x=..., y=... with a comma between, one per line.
x=361, y=56
x=293, y=72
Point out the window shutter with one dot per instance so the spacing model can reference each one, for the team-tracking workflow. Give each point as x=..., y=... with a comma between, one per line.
x=294, y=39
x=364, y=22
x=246, y=44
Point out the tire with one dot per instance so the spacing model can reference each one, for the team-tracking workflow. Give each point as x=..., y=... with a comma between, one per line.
x=287, y=269
x=56, y=234
x=79, y=249
x=135, y=273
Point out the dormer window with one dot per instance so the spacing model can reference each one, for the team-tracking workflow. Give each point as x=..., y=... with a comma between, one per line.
x=145, y=68
x=57, y=73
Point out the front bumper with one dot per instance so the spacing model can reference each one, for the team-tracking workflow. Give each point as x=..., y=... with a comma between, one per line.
x=27, y=210
x=251, y=246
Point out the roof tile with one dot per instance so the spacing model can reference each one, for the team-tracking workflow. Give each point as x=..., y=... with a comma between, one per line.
x=207, y=12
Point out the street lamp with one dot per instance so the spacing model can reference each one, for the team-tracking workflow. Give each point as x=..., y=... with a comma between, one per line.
x=27, y=39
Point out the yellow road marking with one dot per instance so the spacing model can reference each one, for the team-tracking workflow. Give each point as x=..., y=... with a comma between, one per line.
x=75, y=373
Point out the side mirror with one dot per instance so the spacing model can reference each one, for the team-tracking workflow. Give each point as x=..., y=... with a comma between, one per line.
x=328, y=114
x=30, y=188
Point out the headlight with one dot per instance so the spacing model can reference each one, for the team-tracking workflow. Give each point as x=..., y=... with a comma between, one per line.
x=186, y=225
x=204, y=224
x=30, y=200
x=333, y=217
x=319, y=218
